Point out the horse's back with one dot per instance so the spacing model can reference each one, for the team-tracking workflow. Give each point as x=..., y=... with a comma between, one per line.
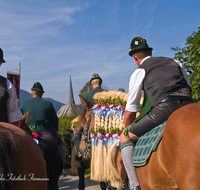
x=176, y=162
x=29, y=164
x=182, y=136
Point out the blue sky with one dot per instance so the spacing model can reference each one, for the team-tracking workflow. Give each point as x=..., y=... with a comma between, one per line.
x=52, y=37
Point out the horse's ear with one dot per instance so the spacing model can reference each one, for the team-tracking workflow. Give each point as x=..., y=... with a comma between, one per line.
x=26, y=116
x=85, y=102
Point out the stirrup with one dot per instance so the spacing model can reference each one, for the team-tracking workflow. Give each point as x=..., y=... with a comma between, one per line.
x=123, y=182
x=137, y=188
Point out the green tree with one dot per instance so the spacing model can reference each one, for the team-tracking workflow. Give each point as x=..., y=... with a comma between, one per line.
x=64, y=124
x=190, y=57
x=121, y=89
x=87, y=88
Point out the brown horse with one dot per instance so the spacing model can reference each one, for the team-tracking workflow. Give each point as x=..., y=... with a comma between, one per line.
x=22, y=165
x=48, y=144
x=121, y=172
x=176, y=162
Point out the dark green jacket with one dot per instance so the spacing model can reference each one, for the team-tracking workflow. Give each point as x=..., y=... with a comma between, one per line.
x=90, y=94
x=43, y=114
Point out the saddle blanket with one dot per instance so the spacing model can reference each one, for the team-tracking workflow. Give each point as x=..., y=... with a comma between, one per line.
x=147, y=144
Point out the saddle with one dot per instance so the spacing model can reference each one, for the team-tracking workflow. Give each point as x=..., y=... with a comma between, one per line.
x=147, y=144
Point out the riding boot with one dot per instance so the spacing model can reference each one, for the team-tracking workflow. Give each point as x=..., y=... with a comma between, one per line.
x=62, y=147
x=126, y=149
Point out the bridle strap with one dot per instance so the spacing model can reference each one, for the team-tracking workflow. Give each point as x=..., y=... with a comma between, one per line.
x=88, y=123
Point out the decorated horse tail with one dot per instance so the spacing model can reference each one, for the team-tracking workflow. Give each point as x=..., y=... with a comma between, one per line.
x=7, y=145
x=112, y=157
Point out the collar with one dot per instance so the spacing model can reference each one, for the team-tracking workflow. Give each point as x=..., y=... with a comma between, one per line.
x=145, y=59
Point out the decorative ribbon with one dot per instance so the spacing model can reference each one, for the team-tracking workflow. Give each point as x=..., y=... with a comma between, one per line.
x=93, y=111
x=120, y=113
x=105, y=112
x=112, y=111
x=105, y=141
x=101, y=110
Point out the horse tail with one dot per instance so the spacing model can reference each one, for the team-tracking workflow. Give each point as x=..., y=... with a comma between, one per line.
x=112, y=163
x=7, y=147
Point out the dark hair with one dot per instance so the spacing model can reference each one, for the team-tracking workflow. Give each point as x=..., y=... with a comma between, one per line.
x=143, y=53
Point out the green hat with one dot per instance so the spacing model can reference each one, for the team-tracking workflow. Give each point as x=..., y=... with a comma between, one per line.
x=95, y=76
x=138, y=44
x=37, y=87
x=1, y=56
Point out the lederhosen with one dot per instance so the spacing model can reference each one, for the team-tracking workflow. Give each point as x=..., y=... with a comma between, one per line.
x=166, y=89
x=3, y=99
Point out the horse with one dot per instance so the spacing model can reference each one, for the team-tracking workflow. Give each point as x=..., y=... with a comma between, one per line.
x=81, y=166
x=176, y=162
x=22, y=165
x=52, y=156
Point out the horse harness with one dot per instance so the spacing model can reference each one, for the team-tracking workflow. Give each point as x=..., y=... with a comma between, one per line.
x=85, y=135
x=87, y=154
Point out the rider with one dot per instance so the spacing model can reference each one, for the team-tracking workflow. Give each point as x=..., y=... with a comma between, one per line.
x=96, y=82
x=165, y=83
x=9, y=108
x=42, y=114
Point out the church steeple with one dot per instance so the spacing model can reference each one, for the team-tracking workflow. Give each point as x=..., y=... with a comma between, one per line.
x=71, y=96
x=67, y=109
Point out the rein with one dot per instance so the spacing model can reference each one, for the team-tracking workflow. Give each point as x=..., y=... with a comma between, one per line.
x=86, y=131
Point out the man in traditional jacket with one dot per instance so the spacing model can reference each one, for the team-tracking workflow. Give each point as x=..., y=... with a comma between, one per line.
x=42, y=114
x=9, y=108
x=96, y=82
x=166, y=86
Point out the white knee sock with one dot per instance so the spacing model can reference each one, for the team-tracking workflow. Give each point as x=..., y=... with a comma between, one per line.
x=126, y=149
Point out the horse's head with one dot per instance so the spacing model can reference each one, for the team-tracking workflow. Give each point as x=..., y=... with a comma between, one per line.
x=85, y=115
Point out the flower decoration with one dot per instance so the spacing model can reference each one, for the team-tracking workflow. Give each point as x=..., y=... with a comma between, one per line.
x=36, y=135
x=99, y=105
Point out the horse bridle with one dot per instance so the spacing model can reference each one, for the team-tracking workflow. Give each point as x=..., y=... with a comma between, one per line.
x=86, y=131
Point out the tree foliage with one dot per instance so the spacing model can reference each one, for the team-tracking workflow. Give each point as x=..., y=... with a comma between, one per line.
x=65, y=123
x=87, y=88
x=190, y=57
x=121, y=89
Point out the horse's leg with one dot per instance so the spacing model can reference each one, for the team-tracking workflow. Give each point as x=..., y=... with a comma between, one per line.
x=81, y=174
x=122, y=171
x=109, y=187
x=103, y=185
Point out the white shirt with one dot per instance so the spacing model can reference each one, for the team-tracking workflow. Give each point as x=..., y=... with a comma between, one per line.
x=135, y=86
x=13, y=111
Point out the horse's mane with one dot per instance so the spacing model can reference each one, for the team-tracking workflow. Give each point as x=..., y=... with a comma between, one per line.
x=7, y=146
x=81, y=117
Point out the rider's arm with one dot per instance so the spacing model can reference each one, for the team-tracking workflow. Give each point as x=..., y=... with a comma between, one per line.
x=133, y=103
x=135, y=88
x=13, y=111
x=129, y=117
x=54, y=117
